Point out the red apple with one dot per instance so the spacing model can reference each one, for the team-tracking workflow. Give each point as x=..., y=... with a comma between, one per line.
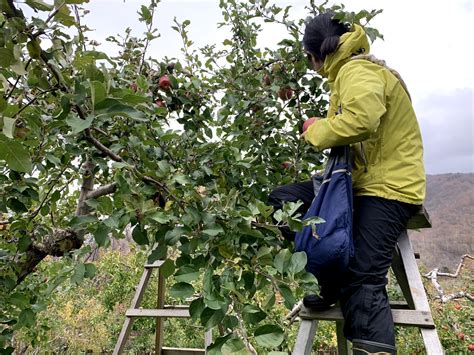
x=308, y=123
x=285, y=93
x=471, y=347
x=461, y=336
x=160, y=103
x=134, y=87
x=287, y=164
x=165, y=83
x=457, y=306
x=267, y=80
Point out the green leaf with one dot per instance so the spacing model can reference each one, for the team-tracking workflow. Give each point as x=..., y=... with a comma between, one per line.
x=114, y=107
x=252, y=314
x=98, y=92
x=298, y=262
x=216, y=230
x=269, y=336
x=81, y=221
x=139, y=235
x=24, y=243
x=196, y=307
x=6, y=57
x=27, y=318
x=16, y=205
x=234, y=346
x=181, y=290
x=8, y=126
x=158, y=253
x=288, y=296
x=64, y=16
x=167, y=269
x=39, y=5
x=187, y=273
x=282, y=261
x=161, y=217
x=78, y=125
x=211, y=317
x=90, y=270
x=16, y=156
x=79, y=273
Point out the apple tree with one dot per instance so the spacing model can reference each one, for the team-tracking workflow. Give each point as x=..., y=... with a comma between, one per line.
x=182, y=151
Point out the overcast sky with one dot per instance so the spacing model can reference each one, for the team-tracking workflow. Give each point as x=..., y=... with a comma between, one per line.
x=428, y=42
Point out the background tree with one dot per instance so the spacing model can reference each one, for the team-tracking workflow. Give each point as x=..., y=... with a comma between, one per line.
x=185, y=152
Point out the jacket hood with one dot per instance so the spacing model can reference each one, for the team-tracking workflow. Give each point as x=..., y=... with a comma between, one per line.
x=350, y=44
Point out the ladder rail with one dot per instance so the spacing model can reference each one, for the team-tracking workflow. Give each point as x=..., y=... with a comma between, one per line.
x=160, y=313
x=415, y=312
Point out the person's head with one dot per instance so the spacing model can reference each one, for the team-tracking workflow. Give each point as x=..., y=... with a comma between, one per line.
x=321, y=38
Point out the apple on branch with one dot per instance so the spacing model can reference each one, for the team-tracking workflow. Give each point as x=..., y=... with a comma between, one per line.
x=164, y=83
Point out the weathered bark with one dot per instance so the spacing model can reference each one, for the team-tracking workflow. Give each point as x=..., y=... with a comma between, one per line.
x=59, y=243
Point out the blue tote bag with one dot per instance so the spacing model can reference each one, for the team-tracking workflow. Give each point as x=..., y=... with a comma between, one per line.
x=329, y=245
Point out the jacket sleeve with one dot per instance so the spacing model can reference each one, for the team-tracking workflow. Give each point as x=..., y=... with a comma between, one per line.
x=362, y=100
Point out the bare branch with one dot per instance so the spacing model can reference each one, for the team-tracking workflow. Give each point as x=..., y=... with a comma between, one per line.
x=101, y=147
x=87, y=187
x=10, y=93
x=102, y=191
x=433, y=276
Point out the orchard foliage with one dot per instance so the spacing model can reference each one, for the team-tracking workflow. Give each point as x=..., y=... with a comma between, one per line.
x=185, y=151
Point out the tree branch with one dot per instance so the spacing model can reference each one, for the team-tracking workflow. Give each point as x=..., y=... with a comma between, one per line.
x=87, y=187
x=101, y=147
x=433, y=276
x=10, y=93
x=55, y=181
x=102, y=191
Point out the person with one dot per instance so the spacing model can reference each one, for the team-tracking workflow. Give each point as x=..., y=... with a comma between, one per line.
x=369, y=109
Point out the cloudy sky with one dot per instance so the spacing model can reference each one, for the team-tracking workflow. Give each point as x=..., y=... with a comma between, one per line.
x=426, y=41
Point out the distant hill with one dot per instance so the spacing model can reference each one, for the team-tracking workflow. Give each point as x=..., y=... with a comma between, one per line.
x=450, y=204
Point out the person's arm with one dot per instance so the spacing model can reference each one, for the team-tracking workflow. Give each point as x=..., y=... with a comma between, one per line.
x=362, y=99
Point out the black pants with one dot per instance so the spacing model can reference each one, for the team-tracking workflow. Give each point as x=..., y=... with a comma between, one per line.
x=377, y=224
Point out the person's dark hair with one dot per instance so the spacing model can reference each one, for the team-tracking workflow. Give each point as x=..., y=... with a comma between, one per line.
x=321, y=35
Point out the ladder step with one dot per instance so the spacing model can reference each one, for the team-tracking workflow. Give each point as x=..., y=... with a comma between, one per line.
x=414, y=318
x=168, y=312
x=182, y=351
x=156, y=264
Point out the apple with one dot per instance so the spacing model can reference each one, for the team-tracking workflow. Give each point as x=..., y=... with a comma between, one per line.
x=308, y=123
x=134, y=87
x=471, y=347
x=267, y=80
x=160, y=103
x=285, y=93
x=286, y=164
x=461, y=336
x=457, y=306
x=164, y=83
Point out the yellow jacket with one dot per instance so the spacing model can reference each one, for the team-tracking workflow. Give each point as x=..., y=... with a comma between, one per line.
x=370, y=110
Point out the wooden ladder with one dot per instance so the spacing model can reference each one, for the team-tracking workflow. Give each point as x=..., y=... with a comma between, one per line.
x=414, y=312
x=162, y=311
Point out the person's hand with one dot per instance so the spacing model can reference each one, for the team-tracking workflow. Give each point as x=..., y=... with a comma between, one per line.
x=308, y=123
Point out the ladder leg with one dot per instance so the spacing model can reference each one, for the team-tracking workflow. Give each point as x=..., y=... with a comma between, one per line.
x=305, y=338
x=418, y=294
x=159, y=334
x=401, y=276
x=207, y=338
x=137, y=299
x=343, y=347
